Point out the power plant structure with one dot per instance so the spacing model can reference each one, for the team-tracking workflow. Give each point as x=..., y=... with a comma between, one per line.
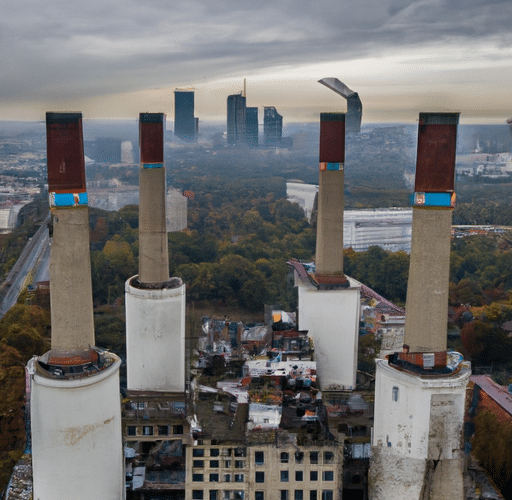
x=329, y=301
x=155, y=303
x=75, y=410
x=354, y=105
x=420, y=392
x=167, y=445
x=185, y=124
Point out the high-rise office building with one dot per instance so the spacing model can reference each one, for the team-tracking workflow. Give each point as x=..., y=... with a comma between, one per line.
x=272, y=126
x=237, y=120
x=252, y=127
x=184, y=121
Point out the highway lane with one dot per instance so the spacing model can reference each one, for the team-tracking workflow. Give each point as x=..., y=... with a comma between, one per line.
x=32, y=262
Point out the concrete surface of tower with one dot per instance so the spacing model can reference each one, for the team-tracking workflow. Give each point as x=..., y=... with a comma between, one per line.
x=184, y=121
x=155, y=304
x=328, y=300
x=420, y=392
x=75, y=403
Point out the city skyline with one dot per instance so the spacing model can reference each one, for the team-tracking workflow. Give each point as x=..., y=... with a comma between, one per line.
x=112, y=60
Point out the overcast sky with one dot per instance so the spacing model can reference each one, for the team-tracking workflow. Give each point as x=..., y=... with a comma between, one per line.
x=116, y=58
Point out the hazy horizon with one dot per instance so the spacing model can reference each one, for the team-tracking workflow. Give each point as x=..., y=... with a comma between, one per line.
x=114, y=59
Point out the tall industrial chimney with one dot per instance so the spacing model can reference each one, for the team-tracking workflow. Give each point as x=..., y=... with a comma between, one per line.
x=155, y=304
x=329, y=300
x=75, y=410
x=329, y=239
x=429, y=271
x=420, y=392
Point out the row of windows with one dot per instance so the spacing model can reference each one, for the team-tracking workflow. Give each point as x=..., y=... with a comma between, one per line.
x=215, y=464
x=299, y=495
x=314, y=457
x=259, y=456
x=223, y=452
x=218, y=495
x=260, y=495
x=259, y=477
x=215, y=477
x=154, y=430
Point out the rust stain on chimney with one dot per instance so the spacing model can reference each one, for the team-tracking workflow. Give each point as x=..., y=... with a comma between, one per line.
x=435, y=162
x=65, y=153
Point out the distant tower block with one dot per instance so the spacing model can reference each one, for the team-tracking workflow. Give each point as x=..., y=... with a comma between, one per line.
x=272, y=127
x=236, y=120
x=126, y=152
x=184, y=122
x=328, y=300
x=74, y=407
x=176, y=210
x=420, y=392
x=155, y=304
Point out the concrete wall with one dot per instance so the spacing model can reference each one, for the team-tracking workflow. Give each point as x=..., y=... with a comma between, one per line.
x=332, y=320
x=77, y=450
x=153, y=245
x=426, y=419
x=70, y=281
x=329, y=234
x=395, y=478
x=429, y=274
x=417, y=435
x=155, y=338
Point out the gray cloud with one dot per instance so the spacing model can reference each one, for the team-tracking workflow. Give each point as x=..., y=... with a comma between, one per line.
x=61, y=48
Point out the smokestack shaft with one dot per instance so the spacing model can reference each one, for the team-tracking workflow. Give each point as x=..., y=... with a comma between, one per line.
x=153, y=245
x=70, y=265
x=329, y=242
x=427, y=292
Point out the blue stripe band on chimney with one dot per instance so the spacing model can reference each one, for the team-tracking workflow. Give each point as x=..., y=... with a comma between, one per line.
x=152, y=165
x=68, y=199
x=333, y=166
x=432, y=200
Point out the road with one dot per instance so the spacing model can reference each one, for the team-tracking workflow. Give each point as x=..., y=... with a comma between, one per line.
x=32, y=265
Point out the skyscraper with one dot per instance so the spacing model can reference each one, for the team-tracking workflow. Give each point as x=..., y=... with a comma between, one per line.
x=272, y=126
x=184, y=121
x=252, y=127
x=237, y=120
